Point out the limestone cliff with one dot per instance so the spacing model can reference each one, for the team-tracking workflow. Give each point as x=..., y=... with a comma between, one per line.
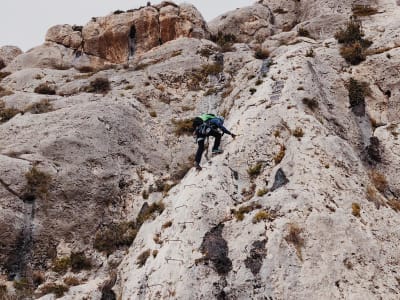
x=98, y=196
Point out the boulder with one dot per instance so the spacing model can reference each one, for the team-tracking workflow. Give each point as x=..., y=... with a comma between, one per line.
x=247, y=24
x=8, y=53
x=65, y=35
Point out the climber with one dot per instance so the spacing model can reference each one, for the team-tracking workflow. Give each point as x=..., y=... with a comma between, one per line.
x=208, y=125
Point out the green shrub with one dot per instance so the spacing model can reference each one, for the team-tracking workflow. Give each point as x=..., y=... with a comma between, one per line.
x=99, y=85
x=115, y=236
x=80, y=262
x=56, y=289
x=255, y=170
x=41, y=107
x=262, y=192
x=45, y=89
x=62, y=264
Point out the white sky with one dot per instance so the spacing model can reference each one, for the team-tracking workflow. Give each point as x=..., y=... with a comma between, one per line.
x=24, y=22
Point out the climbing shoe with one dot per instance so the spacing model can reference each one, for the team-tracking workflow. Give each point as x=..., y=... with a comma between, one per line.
x=197, y=166
x=217, y=151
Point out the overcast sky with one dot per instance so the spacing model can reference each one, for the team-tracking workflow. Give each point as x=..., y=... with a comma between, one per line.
x=24, y=22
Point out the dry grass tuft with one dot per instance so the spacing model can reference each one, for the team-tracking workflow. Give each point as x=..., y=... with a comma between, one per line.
x=363, y=10
x=356, y=208
x=7, y=114
x=394, y=204
x=44, y=106
x=57, y=289
x=262, y=192
x=293, y=237
x=166, y=224
x=255, y=170
x=38, y=182
x=378, y=180
x=262, y=215
x=183, y=127
x=298, y=132
x=280, y=155
x=239, y=214
x=142, y=258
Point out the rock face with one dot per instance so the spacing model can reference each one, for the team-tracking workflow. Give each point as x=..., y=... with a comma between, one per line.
x=118, y=36
x=252, y=23
x=98, y=195
x=65, y=35
x=8, y=53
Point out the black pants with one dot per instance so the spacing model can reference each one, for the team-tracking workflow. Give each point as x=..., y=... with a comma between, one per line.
x=200, y=144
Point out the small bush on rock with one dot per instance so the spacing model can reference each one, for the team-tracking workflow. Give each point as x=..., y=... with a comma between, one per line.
x=255, y=170
x=62, y=264
x=239, y=214
x=303, y=32
x=311, y=103
x=354, y=45
x=80, y=262
x=99, y=85
x=45, y=89
x=183, y=127
x=357, y=92
x=38, y=182
x=56, y=289
x=262, y=215
x=115, y=236
x=41, y=107
x=7, y=114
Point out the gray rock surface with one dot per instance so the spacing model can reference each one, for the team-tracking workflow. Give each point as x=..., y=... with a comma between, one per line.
x=118, y=168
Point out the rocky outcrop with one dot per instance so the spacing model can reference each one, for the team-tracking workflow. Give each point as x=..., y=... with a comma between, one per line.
x=96, y=167
x=118, y=36
x=67, y=35
x=8, y=53
x=248, y=24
